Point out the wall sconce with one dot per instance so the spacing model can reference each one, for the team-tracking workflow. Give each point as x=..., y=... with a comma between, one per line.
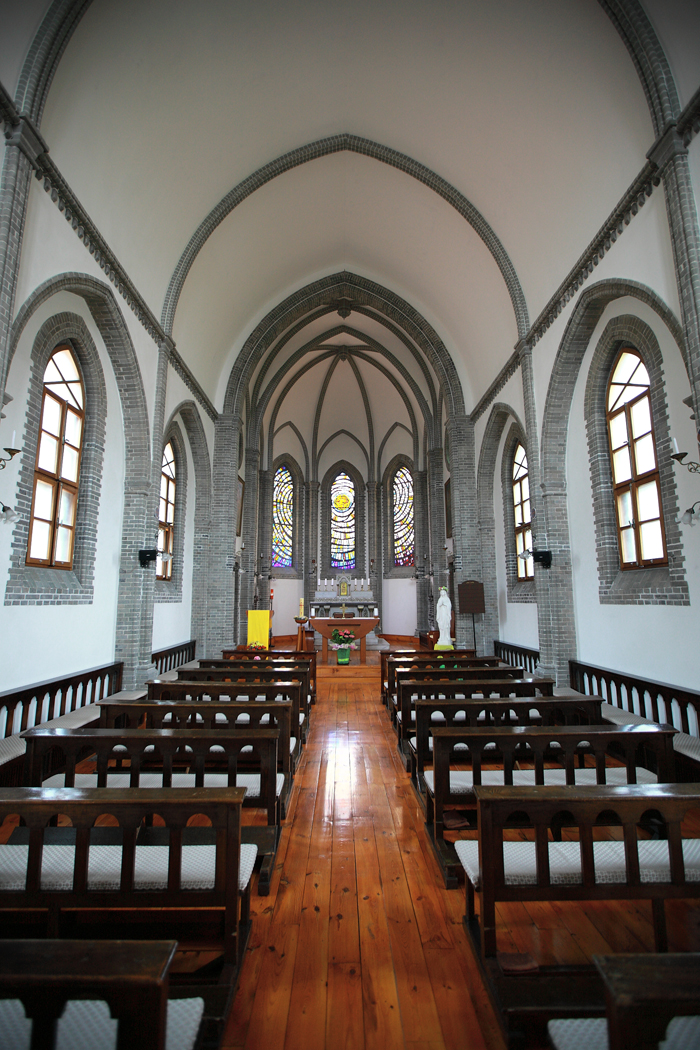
x=691, y=465
x=146, y=557
x=11, y=453
x=544, y=558
x=7, y=514
x=689, y=516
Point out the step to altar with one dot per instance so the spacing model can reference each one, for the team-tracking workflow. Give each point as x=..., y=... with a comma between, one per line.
x=354, y=671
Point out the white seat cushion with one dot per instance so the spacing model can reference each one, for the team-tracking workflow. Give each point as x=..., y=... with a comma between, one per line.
x=104, y=867
x=565, y=862
x=683, y=1033
x=250, y=781
x=11, y=747
x=87, y=1025
x=461, y=780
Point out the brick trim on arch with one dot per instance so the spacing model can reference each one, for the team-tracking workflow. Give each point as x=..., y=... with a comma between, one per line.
x=171, y=590
x=360, y=517
x=391, y=571
x=32, y=585
x=296, y=570
x=664, y=585
x=519, y=591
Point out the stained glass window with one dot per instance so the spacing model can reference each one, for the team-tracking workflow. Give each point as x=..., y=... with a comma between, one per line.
x=523, y=514
x=282, y=518
x=55, y=499
x=166, y=515
x=343, y=523
x=402, y=505
x=635, y=471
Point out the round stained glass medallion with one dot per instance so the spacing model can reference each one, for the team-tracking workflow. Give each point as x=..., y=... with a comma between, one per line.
x=341, y=501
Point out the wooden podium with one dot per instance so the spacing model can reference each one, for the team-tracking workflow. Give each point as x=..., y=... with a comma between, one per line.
x=361, y=625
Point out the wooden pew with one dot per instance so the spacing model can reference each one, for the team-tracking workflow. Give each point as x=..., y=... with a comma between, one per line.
x=635, y=869
x=636, y=746
x=276, y=654
x=256, y=672
x=643, y=995
x=428, y=675
x=126, y=980
x=548, y=711
x=170, y=758
x=235, y=692
x=411, y=690
x=121, y=883
x=391, y=662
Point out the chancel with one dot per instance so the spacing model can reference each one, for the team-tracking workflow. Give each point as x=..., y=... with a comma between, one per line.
x=350, y=374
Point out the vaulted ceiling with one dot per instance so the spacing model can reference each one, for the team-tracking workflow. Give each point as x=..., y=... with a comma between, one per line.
x=467, y=152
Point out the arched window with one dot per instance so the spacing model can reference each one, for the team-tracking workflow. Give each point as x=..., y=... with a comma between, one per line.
x=635, y=470
x=402, y=518
x=166, y=515
x=523, y=514
x=282, y=518
x=55, y=495
x=343, y=522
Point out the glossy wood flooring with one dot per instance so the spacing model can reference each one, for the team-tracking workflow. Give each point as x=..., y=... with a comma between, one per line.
x=359, y=946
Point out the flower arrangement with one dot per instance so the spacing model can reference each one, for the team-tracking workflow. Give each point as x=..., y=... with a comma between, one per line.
x=258, y=646
x=342, y=639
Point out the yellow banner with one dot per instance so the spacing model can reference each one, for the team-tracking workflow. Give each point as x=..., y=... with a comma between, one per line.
x=259, y=627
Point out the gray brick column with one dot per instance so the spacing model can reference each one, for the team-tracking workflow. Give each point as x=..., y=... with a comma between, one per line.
x=465, y=532
x=265, y=535
x=312, y=548
x=16, y=179
x=436, y=504
x=374, y=541
x=249, y=556
x=222, y=544
x=422, y=541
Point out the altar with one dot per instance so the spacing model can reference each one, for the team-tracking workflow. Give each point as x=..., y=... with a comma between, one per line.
x=361, y=625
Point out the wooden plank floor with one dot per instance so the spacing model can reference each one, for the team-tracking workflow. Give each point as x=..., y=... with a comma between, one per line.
x=358, y=944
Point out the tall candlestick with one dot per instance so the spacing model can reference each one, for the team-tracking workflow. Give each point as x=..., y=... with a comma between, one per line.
x=301, y=607
x=14, y=434
x=675, y=445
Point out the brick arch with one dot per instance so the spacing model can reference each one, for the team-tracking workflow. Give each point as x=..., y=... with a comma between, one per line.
x=367, y=148
x=557, y=628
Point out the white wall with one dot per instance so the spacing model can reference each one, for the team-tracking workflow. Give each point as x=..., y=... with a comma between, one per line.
x=399, y=607
x=285, y=605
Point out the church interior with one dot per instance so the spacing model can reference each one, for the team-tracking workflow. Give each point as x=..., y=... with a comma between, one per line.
x=380, y=319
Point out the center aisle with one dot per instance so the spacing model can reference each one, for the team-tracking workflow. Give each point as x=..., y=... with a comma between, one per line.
x=358, y=944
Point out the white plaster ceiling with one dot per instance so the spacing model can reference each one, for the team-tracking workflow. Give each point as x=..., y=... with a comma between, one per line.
x=532, y=110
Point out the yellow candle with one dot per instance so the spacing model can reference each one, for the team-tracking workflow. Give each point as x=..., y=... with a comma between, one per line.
x=301, y=606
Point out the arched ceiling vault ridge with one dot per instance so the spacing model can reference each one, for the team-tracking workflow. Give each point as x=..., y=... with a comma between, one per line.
x=295, y=429
x=363, y=357
x=367, y=148
x=263, y=400
x=367, y=292
x=345, y=329
x=368, y=414
x=354, y=438
x=637, y=33
x=45, y=52
x=317, y=415
x=390, y=431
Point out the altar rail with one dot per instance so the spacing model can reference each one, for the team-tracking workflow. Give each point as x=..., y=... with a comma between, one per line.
x=175, y=656
x=655, y=701
x=24, y=708
x=517, y=655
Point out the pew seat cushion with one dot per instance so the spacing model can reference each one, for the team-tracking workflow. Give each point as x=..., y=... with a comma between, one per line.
x=11, y=747
x=250, y=781
x=684, y=743
x=461, y=781
x=104, y=867
x=88, y=1025
x=591, y=1033
x=565, y=862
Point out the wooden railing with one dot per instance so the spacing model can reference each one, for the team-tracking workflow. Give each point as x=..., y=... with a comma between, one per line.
x=25, y=708
x=654, y=700
x=175, y=656
x=517, y=655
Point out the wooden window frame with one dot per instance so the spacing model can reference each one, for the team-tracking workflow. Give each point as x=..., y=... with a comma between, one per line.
x=637, y=479
x=166, y=529
x=524, y=567
x=58, y=484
